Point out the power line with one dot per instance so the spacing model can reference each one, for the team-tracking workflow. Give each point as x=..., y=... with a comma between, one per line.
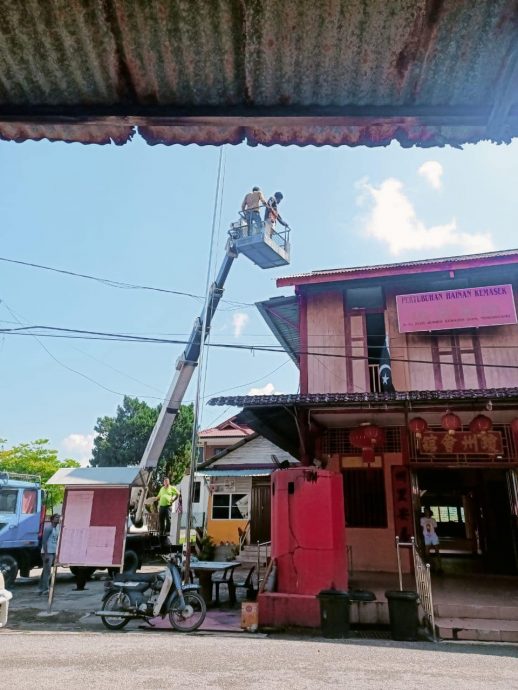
x=116, y=283
x=119, y=393
x=118, y=337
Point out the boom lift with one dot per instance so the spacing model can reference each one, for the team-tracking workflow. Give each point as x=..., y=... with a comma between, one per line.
x=267, y=248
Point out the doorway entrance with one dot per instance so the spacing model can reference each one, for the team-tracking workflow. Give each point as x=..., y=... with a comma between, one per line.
x=260, y=514
x=476, y=521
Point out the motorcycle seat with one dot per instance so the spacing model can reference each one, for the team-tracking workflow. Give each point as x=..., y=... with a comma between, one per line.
x=120, y=578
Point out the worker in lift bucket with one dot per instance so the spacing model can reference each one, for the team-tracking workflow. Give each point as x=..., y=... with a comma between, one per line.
x=250, y=208
x=272, y=215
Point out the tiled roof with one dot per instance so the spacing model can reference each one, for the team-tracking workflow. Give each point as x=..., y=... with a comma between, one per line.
x=328, y=399
x=354, y=72
x=509, y=256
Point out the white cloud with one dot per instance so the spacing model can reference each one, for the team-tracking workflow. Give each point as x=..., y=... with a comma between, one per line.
x=392, y=219
x=432, y=172
x=268, y=389
x=239, y=321
x=79, y=447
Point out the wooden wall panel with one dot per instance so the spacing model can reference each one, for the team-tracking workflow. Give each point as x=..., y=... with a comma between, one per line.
x=422, y=375
x=499, y=346
x=356, y=349
x=325, y=329
x=398, y=347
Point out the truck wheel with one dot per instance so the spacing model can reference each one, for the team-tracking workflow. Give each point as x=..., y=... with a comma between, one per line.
x=131, y=562
x=9, y=567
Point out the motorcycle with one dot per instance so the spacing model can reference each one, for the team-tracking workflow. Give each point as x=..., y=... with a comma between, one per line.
x=144, y=596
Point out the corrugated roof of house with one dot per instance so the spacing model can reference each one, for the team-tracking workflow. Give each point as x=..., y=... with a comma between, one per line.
x=498, y=258
x=353, y=72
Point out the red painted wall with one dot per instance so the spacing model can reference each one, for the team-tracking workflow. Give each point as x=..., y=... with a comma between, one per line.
x=308, y=532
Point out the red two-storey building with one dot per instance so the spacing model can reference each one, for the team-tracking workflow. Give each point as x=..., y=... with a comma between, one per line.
x=409, y=389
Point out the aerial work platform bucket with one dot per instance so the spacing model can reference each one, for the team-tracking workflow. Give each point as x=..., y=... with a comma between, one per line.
x=265, y=246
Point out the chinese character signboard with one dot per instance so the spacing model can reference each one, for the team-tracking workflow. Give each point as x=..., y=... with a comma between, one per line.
x=402, y=501
x=460, y=308
x=461, y=443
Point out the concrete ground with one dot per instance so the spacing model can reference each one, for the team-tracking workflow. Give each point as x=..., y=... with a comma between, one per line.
x=164, y=659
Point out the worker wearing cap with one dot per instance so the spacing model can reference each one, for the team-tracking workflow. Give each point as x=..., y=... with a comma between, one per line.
x=250, y=207
x=272, y=215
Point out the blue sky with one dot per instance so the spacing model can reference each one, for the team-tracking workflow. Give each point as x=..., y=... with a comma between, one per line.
x=142, y=215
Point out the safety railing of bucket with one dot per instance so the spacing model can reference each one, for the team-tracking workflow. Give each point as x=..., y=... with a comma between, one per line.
x=423, y=581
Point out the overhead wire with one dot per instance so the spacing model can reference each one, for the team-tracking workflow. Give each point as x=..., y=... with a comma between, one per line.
x=117, y=283
x=119, y=393
x=253, y=348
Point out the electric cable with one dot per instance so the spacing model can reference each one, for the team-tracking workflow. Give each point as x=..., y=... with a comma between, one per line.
x=252, y=348
x=116, y=283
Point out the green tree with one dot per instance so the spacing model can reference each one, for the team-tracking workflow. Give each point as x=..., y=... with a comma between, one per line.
x=36, y=458
x=121, y=440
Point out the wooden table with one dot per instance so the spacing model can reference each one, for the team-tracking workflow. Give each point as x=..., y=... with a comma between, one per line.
x=204, y=571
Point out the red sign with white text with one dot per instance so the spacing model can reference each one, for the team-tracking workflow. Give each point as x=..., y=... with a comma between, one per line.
x=472, y=307
x=461, y=443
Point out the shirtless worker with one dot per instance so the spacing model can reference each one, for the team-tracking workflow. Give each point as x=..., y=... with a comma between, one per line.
x=250, y=207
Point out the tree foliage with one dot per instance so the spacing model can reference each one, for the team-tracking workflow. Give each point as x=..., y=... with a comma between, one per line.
x=121, y=440
x=38, y=459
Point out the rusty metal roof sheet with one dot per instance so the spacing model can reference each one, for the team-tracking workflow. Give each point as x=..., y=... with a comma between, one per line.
x=353, y=72
x=499, y=258
x=352, y=399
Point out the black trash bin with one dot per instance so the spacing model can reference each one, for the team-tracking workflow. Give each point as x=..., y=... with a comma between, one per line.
x=403, y=615
x=334, y=613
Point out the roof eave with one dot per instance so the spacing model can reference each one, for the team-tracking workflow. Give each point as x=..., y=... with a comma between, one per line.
x=447, y=264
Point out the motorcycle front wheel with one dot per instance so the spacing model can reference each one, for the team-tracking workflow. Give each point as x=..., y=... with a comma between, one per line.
x=192, y=616
x=117, y=601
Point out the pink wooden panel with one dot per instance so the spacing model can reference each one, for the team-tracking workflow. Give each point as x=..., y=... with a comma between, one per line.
x=325, y=327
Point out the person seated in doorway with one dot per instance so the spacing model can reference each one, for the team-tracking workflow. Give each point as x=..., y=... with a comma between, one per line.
x=429, y=527
x=166, y=497
x=250, y=207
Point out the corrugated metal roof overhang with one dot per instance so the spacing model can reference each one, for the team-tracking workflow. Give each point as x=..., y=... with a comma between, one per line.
x=236, y=473
x=455, y=263
x=97, y=476
x=353, y=72
x=282, y=316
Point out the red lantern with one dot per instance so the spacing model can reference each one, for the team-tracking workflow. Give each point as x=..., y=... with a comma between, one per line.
x=374, y=435
x=451, y=422
x=367, y=438
x=418, y=426
x=480, y=424
x=357, y=437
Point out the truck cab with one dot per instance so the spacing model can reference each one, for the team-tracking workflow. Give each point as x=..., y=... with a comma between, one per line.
x=22, y=513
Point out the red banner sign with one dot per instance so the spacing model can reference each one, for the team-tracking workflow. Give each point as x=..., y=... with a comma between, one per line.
x=402, y=502
x=461, y=443
x=492, y=305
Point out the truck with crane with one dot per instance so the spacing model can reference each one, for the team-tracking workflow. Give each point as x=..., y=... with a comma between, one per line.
x=265, y=246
